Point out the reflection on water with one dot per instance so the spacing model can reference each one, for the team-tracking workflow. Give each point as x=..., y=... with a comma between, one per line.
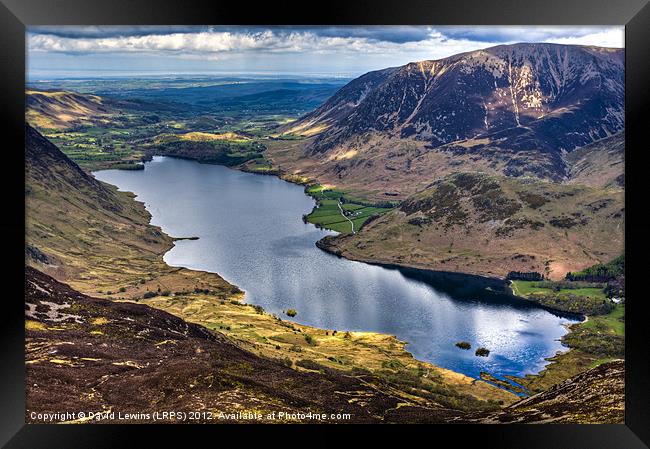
x=251, y=232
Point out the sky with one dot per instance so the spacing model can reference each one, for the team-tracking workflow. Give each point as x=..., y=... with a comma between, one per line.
x=344, y=51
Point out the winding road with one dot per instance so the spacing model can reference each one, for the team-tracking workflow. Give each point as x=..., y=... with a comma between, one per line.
x=346, y=217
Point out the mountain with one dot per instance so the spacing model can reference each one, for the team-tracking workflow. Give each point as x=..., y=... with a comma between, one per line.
x=511, y=109
x=491, y=225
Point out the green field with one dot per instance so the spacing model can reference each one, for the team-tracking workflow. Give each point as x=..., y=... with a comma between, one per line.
x=583, y=298
x=327, y=214
x=612, y=323
x=528, y=289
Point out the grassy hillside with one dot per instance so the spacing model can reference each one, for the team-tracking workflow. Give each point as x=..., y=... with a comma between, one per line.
x=94, y=131
x=481, y=224
x=96, y=238
x=94, y=355
x=375, y=167
x=599, y=164
x=64, y=109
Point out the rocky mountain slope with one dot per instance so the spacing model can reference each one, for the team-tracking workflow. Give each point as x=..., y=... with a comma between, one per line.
x=490, y=225
x=512, y=109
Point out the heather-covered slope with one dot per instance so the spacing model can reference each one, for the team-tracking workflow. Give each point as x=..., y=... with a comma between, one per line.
x=95, y=355
x=596, y=396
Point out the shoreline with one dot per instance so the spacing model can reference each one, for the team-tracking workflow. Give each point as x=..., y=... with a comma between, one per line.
x=505, y=283
x=474, y=276
x=550, y=361
x=386, y=346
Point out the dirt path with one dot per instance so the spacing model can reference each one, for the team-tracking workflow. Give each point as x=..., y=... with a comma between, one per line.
x=345, y=216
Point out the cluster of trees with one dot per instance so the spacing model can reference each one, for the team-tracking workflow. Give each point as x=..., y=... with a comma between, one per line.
x=612, y=273
x=524, y=276
x=601, y=272
x=219, y=152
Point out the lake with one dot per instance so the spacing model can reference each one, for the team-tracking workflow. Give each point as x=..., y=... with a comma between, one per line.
x=251, y=233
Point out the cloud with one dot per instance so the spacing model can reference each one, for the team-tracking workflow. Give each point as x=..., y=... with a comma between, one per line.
x=437, y=42
x=282, y=41
x=606, y=38
x=96, y=31
x=390, y=33
x=356, y=49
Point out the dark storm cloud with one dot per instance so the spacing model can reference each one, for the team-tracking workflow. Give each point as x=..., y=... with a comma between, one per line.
x=396, y=34
x=93, y=31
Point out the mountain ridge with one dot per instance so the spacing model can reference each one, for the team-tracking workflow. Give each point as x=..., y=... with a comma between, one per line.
x=537, y=80
x=515, y=110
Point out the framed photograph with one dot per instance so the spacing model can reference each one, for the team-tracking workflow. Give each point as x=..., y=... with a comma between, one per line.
x=376, y=213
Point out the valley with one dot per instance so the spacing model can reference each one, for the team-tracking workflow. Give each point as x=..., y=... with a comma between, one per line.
x=126, y=266
x=502, y=164
x=250, y=232
x=110, y=123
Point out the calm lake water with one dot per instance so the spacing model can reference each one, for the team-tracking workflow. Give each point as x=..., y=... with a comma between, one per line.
x=251, y=232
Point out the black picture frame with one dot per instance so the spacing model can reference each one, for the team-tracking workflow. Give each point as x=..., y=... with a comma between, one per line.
x=633, y=14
